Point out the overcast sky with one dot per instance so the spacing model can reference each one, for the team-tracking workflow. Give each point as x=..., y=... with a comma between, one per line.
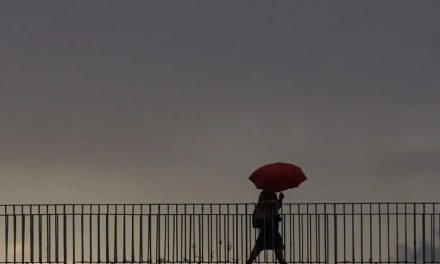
x=180, y=101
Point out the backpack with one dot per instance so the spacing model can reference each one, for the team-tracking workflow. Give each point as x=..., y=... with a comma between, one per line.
x=259, y=217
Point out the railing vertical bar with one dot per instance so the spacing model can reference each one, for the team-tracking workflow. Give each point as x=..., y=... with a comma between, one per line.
x=283, y=230
x=90, y=233
x=173, y=233
x=291, y=243
x=235, y=248
x=48, y=235
x=326, y=236
x=247, y=240
x=438, y=227
x=167, y=234
x=433, y=234
x=317, y=234
x=380, y=231
x=226, y=232
x=184, y=234
x=158, y=237
x=57, y=253
x=190, y=245
x=415, y=233
x=219, y=234
x=179, y=233
x=225, y=238
x=124, y=238
x=14, y=217
x=106, y=234
x=73, y=233
x=202, y=234
x=132, y=234
x=344, y=231
x=312, y=219
x=397, y=232
x=115, y=231
x=196, y=242
x=23, y=232
x=182, y=240
x=216, y=238
x=82, y=233
x=64, y=235
x=293, y=236
x=301, y=233
x=197, y=230
x=353, y=241
x=150, y=257
x=423, y=234
x=388, y=233
x=362, y=231
x=40, y=236
x=371, y=233
x=6, y=234
x=176, y=226
x=209, y=232
x=175, y=255
x=242, y=236
x=223, y=234
x=141, y=239
x=98, y=217
x=308, y=232
x=335, y=231
x=31, y=232
x=406, y=233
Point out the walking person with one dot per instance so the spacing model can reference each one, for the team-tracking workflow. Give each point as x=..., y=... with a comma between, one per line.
x=269, y=236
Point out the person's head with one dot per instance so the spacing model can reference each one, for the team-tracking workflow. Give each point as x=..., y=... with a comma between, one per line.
x=266, y=195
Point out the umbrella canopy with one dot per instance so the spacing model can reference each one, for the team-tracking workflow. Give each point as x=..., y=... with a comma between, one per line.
x=278, y=177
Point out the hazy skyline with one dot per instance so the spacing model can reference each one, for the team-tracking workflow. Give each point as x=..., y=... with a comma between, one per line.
x=161, y=101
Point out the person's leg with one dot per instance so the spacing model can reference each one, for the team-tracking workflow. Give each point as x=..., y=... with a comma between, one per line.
x=253, y=255
x=279, y=255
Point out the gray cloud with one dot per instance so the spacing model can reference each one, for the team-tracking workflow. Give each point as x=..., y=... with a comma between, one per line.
x=412, y=163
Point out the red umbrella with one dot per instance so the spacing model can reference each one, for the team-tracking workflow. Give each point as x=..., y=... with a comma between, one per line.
x=278, y=177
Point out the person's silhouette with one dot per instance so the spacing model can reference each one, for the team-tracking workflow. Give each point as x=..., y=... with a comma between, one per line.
x=269, y=237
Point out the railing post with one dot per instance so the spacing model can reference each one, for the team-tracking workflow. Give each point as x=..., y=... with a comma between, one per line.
x=415, y=233
x=326, y=234
x=6, y=233
x=423, y=234
x=335, y=233
x=64, y=235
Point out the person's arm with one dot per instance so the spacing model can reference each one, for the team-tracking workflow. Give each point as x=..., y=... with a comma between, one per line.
x=280, y=200
x=281, y=197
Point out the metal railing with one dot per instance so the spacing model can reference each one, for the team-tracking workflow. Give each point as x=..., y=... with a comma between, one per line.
x=218, y=233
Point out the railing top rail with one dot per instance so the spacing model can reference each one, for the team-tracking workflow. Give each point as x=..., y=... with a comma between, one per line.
x=209, y=203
